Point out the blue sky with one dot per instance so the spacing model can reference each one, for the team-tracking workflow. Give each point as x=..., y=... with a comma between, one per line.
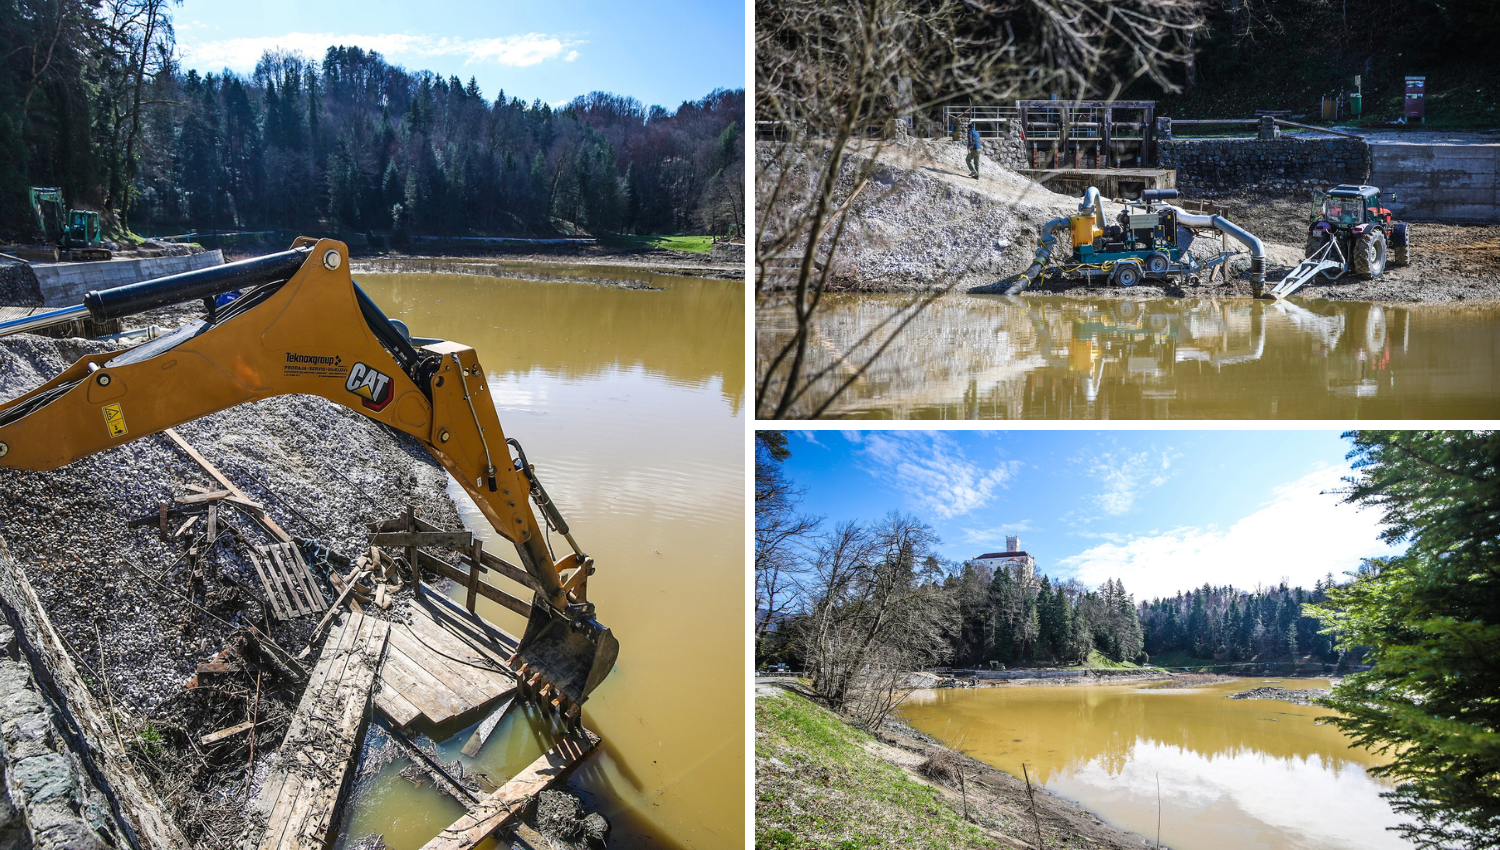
x=661, y=52
x=1162, y=510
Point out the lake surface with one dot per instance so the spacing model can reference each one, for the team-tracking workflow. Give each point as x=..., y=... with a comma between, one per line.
x=1234, y=774
x=630, y=404
x=1055, y=357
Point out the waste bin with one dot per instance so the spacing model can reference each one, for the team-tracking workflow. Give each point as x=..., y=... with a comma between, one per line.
x=1355, y=103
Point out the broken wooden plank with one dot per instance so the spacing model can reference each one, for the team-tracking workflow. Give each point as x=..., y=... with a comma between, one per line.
x=224, y=734
x=511, y=571
x=485, y=589
x=482, y=734
x=299, y=800
x=278, y=579
x=220, y=667
x=201, y=498
x=333, y=610
x=276, y=531
x=181, y=530
x=501, y=808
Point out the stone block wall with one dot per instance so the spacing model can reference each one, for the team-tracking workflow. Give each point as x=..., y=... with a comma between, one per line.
x=1288, y=163
x=1009, y=152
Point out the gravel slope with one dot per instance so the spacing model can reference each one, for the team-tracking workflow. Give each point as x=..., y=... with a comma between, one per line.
x=68, y=527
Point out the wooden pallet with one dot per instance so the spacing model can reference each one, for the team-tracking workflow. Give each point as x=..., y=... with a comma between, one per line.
x=300, y=798
x=289, y=584
x=443, y=664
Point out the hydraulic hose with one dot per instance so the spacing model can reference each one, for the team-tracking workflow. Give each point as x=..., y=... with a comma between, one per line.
x=1243, y=236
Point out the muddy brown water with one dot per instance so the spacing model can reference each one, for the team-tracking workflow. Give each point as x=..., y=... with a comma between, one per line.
x=630, y=404
x=1234, y=774
x=1056, y=357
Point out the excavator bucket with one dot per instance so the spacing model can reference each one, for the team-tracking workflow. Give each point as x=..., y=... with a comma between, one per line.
x=573, y=654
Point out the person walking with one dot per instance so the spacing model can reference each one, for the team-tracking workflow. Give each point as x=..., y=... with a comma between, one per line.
x=973, y=158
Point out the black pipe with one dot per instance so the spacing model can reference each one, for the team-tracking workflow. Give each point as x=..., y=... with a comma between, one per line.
x=1158, y=194
x=192, y=286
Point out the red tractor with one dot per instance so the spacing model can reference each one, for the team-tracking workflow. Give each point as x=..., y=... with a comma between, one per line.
x=1349, y=232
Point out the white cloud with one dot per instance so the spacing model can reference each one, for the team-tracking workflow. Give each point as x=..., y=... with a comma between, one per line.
x=1125, y=476
x=931, y=471
x=995, y=536
x=518, y=51
x=1303, y=532
x=811, y=437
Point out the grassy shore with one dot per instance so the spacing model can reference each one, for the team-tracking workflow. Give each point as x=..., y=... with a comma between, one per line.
x=820, y=783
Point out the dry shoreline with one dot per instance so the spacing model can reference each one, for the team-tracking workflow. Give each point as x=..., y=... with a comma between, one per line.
x=935, y=230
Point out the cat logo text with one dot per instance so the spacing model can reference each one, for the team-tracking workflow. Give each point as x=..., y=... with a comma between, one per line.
x=372, y=386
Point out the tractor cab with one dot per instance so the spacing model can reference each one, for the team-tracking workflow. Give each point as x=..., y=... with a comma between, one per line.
x=1345, y=207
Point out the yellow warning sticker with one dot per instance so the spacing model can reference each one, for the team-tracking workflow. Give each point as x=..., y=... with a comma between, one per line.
x=115, y=419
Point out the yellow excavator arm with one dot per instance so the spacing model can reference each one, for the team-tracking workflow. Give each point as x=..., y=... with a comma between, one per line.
x=303, y=326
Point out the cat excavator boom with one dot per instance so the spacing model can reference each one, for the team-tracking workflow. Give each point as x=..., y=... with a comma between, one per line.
x=302, y=325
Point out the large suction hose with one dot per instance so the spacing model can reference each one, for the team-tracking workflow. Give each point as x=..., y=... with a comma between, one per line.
x=1043, y=256
x=1092, y=198
x=1245, y=237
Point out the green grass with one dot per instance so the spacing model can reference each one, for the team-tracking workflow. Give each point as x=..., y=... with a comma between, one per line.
x=817, y=786
x=1098, y=660
x=691, y=244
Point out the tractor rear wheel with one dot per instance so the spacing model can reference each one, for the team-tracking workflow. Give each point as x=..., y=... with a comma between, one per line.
x=1369, y=254
x=1400, y=247
x=1314, y=245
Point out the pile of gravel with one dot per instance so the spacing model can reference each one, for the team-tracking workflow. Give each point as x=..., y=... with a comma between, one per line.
x=1298, y=696
x=18, y=285
x=919, y=224
x=321, y=471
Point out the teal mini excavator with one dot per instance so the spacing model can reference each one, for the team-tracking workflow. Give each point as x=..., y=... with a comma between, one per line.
x=73, y=234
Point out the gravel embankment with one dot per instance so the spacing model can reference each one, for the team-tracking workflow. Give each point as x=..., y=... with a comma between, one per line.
x=68, y=527
x=921, y=223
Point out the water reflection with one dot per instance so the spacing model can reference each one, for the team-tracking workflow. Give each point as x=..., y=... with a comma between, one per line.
x=981, y=357
x=631, y=405
x=1234, y=774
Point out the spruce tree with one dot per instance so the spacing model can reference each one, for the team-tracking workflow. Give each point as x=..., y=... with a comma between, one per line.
x=1431, y=618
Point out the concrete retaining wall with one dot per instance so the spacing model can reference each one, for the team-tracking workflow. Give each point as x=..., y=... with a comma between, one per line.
x=1443, y=182
x=1288, y=163
x=65, y=284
